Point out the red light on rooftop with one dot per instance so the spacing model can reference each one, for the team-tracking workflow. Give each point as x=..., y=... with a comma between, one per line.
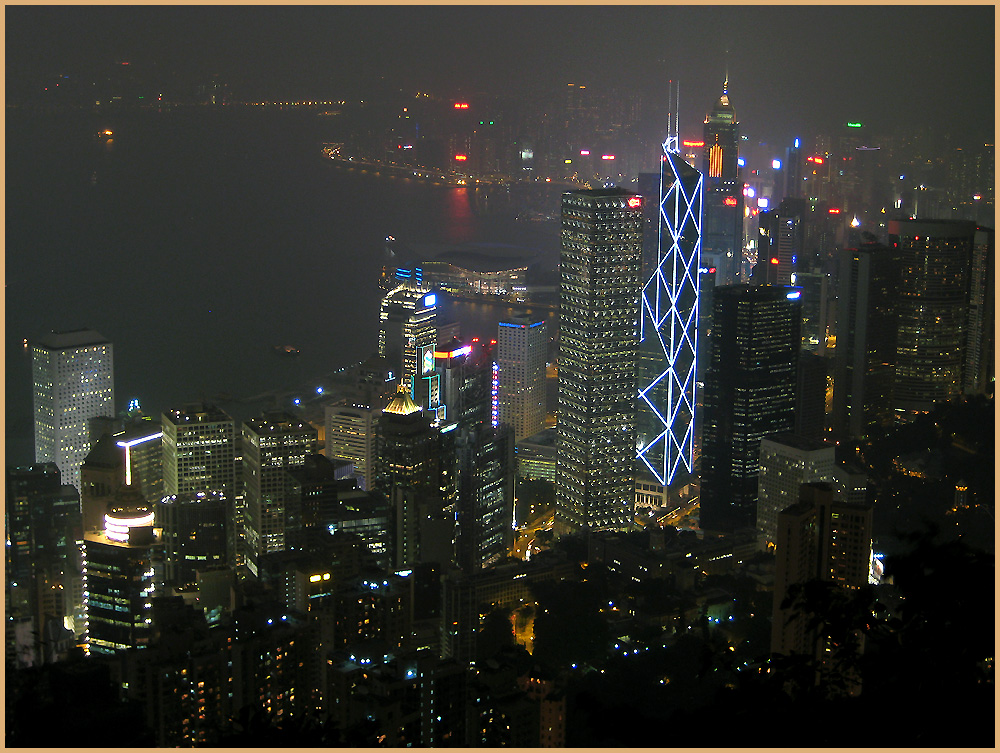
x=475, y=339
x=634, y=202
x=493, y=342
x=730, y=201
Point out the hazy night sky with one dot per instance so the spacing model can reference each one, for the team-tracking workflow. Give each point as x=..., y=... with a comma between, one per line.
x=793, y=69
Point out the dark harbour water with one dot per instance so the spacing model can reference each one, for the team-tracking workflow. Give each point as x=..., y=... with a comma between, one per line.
x=197, y=240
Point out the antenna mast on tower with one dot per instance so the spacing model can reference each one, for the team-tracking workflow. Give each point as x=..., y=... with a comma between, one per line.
x=672, y=144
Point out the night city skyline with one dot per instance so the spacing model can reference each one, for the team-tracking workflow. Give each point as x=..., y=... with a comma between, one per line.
x=500, y=376
x=793, y=70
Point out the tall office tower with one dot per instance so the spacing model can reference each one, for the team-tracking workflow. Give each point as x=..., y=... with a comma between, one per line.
x=119, y=581
x=199, y=448
x=786, y=462
x=200, y=454
x=194, y=534
x=470, y=387
x=810, y=396
x=408, y=473
x=866, y=341
x=793, y=171
x=350, y=434
x=484, y=480
x=44, y=533
x=522, y=345
x=815, y=304
x=600, y=287
x=818, y=538
x=669, y=324
x=141, y=442
x=722, y=225
x=932, y=300
x=73, y=373
x=271, y=444
x=749, y=394
x=978, y=369
x=782, y=238
x=407, y=339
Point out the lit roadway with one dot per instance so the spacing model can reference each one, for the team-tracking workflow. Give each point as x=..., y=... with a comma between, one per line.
x=525, y=537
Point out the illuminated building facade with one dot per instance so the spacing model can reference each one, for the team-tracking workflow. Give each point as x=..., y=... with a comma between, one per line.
x=522, y=345
x=931, y=300
x=73, y=374
x=786, y=462
x=749, y=394
x=866, y=341
x=484, y=481
x=407, y=339
x=194, y=534
x=199, y=444
x=350, y=435
x=600, y=267
x=722, y=226
x=271, y=444
x=142, y=446
x=669, y=325
x=119, y=582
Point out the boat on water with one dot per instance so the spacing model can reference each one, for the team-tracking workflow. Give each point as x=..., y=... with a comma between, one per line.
x=286, y=350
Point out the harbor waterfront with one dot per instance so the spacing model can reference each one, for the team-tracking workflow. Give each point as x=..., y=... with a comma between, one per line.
x=210, y=274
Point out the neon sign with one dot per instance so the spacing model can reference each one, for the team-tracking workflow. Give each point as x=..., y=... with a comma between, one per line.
x=730, y=201
x=461, y=157
x=634, y=202
x=461, y=105
x=693, y=143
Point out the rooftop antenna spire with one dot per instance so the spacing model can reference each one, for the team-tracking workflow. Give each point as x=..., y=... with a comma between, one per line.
x=672, y=144
x=725, y=86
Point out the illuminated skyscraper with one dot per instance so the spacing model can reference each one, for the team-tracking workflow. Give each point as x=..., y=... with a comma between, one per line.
x=198, y=450
x=407, y=340
x=866, y=341
x=932, y=306
x=521, y=349
x=600, y=268
x=669, y=324
x=271, y=444
x=73, y=374
x=119, y=581
x=722, y=229
x=749, y=394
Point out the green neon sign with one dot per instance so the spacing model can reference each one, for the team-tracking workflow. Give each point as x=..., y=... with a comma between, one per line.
x=854, y=125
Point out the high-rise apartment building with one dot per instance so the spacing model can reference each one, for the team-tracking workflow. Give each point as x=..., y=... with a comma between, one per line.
x=749, y=394
x=669, y=324
x=600, y=267
x=866, y=341
x=73, y=374
x=786, y=462
x=271, y=444
x=932, y=305
x=522, y=345
x=722, y=226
